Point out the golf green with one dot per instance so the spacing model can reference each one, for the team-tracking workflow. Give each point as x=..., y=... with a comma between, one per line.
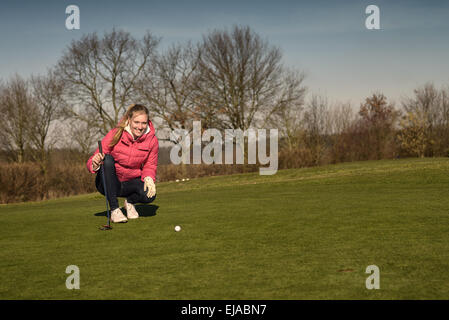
x=299, y=234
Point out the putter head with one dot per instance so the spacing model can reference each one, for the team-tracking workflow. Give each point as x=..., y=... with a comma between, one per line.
x=105, y=227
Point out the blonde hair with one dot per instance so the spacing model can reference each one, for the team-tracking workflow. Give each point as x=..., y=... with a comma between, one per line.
x=132, y=109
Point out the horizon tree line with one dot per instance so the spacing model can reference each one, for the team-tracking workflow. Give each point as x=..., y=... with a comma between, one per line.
x=230, y=79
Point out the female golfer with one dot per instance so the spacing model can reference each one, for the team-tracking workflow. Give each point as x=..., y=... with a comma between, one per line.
x=129, y=157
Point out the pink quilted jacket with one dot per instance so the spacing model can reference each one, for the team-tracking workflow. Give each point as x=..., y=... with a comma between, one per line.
x=133, y=158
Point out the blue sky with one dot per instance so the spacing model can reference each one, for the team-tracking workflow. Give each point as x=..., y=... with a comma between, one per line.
x=326, y=39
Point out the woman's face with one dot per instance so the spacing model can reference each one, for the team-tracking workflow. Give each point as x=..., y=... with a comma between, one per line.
x=138, y=124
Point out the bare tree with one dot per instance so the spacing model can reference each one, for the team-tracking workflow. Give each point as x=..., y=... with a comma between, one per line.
x=433, y=104
x=426, y=101
x=341, y=117
x=240, y=76
x=100, y=75
x=82, y=136
x=287, y=115
x=47, y=102
x=316, y=124
x=167, y=86
x=343, y=132
x=15, y=103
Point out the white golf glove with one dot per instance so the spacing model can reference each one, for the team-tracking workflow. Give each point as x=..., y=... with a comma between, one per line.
x=150, y=186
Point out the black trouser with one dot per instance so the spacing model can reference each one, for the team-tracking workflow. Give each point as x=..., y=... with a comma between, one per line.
x=132, y=189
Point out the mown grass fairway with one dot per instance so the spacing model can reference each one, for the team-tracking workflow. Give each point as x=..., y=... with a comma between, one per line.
x=300, y=234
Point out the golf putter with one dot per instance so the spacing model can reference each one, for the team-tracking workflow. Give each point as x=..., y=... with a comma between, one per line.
x=106, y=226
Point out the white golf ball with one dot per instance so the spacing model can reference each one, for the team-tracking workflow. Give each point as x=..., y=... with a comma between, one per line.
x=177, y=228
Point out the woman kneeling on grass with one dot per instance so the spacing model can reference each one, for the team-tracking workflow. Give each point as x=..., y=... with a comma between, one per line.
x=129, y=157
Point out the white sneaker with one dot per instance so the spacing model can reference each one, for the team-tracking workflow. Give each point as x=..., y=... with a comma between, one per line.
x=117, y=216
x=131, y=211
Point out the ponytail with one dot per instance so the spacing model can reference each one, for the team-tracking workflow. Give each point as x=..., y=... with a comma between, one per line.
x=134, y=108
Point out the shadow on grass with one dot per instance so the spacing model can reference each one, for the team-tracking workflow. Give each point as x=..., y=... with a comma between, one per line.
x=144, y=210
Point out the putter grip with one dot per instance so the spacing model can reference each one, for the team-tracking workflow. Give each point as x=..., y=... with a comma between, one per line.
x=100, y=147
